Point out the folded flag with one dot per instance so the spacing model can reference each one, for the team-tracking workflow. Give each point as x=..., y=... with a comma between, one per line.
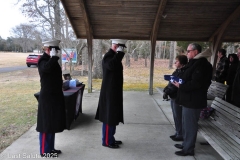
x=172, y=78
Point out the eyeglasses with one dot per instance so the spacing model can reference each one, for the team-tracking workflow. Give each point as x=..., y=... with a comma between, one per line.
x=190, y=50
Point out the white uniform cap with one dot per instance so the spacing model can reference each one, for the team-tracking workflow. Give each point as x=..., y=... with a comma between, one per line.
x=119, y=41
x=53, y=43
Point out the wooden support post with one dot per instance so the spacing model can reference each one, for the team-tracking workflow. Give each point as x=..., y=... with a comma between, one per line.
x=89, y=34
x=153, y=38
x=153, y=45
x=89, y=42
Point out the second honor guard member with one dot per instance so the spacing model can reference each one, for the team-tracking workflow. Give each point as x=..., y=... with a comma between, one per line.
x=51, y=107
x=110, y=106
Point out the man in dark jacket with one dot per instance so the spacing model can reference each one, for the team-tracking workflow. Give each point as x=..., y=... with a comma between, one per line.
x=51, y=109
x=192, y=95
x=110, y=106
x=222, y=67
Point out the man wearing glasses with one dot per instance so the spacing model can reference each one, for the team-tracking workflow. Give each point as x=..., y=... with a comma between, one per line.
x=192, y=95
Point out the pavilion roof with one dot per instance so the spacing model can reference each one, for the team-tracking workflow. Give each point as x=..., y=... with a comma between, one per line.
x=172, y=20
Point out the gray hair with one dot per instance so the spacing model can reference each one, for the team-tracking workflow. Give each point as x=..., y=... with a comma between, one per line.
x=196, y=46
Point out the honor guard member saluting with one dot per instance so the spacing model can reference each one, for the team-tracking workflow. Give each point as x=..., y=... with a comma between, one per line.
x=51, y=109
x=110, y=105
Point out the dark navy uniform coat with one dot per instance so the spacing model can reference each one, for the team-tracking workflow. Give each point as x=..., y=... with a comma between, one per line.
x=51, y=109
x=110, y=106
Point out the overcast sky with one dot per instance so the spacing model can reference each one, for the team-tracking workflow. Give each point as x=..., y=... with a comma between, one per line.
x=10, y=16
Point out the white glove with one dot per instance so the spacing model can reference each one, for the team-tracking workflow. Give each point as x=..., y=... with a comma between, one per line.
x=53, y=52
x=120, y=49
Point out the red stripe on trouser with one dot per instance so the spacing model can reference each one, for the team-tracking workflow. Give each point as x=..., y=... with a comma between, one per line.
x=106, y=134
x=43, y=142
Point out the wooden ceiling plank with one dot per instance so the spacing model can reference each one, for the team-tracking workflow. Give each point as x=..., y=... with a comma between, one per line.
x=226, y=23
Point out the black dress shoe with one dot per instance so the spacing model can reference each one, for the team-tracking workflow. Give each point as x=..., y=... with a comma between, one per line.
x=181, y=153
x=118, y=142
x=173, y=136
x=56, y=151
x=178, y=146
x=113, y=146
x=177, y=139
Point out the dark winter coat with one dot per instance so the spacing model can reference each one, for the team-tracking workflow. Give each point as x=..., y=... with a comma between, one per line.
x=110, y=105
x=51, y=109
x=222, y=69
x=236, y=88
x=197, y=78
x=171, y=89
x=232, y=70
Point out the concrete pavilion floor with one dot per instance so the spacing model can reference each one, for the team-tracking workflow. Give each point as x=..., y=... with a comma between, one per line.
x=145, y=134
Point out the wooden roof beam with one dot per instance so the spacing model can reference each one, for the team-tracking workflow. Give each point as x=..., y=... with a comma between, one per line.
x=86, y=19
x=158, y=17
x=89, y=34
x=226, y=23
x=153, y=38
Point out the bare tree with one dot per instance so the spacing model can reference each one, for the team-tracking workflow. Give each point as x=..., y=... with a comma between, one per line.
x=230, y=48
x=171, y=56
x=127, y=54
x=49, y=15
x=99, y=48
x=145, y=51
x=81, y=45
x=136, y=45
x=164, y=49
x=158, y=49
x=57, y=19
x=97, y=58
x=37, y=40
x=24, y=33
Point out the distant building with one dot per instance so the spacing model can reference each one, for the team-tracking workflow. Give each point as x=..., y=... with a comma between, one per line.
x=36, y=51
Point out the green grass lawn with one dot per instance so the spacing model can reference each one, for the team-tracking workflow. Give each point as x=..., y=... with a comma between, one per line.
x=18, y=108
